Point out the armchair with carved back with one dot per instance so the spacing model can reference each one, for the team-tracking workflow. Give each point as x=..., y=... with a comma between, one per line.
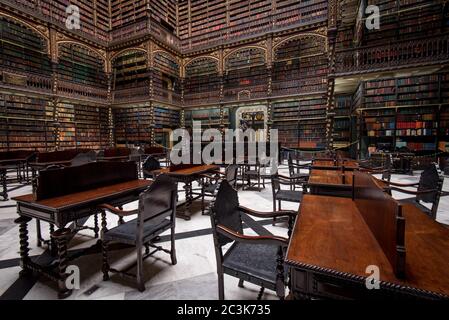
x=211, y=182
x=255, y=259
x=428, y=190
x=156, y=213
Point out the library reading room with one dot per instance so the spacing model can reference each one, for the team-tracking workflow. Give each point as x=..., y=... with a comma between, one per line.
x=224, y=150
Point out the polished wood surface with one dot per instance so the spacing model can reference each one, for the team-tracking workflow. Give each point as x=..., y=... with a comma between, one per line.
x=335, y=164
x=427, y=245
x=330, y=177
x=58, y=156
x=188, y=170
x=331, y=237
x=79, y=198
x=330, y=233
x=383, y=215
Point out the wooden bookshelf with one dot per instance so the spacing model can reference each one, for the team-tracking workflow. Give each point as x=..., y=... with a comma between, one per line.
x=403, y=113
x=202, y=82
x=300, y=66
x=22, y=49
x=26, y=123
x=81, y=65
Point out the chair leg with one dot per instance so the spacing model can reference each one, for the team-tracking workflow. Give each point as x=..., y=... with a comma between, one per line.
x=203, y=202
x=174, y=261
x=96, y=227
x=105, y=269
x=261, y=292
x=221, y=295
x=140, y=281
x=241, y=282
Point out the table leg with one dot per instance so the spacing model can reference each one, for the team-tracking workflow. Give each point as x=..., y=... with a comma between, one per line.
x=4, y=185
x=189, y=199
x=39, y=233
x=61, y=236
x=24, y=245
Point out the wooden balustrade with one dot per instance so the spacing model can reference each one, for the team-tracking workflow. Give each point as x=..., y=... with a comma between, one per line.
x=394, y=55
x=82, y=91
x=131, y=94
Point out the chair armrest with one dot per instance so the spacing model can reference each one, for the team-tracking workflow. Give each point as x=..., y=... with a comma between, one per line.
x=275, y=241
x=114, y=210
x=402, y=184
x=414, y=193
x=277, y=214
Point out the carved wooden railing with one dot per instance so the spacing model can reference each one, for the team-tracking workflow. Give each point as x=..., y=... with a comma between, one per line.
x=82, y=91
x=26, y=80
x=166, y=95
x=142, y=28
x=394, y=55
x=131, y=94
x=202, y=98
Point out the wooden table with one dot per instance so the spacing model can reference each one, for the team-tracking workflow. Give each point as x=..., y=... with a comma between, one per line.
x=332, y=246
x=187, y=175
x=349, y=165
x=65, y=209
x=331, y=183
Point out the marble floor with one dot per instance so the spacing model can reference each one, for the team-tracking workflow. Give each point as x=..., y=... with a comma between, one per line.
x=194, y=277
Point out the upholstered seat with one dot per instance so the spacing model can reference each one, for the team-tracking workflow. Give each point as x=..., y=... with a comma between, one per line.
x=288, y=195
x=210, y=183
x=210, y=188
x=303, y=176
x=127, y=231
x=255, y=260
x=156, y=213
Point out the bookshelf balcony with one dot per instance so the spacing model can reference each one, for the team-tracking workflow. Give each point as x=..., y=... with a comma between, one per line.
x=427, y=51
x=75, y=90
x=210, y=97
x=131, y=94
x=141, y=29
x=26, y=81
x=166, y=95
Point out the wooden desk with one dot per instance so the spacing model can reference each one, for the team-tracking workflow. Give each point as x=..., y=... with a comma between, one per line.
x=187, y=174
x=332, y=246
x=331, y=183
x=349, y=165
x=17, y=160
x=68, y=194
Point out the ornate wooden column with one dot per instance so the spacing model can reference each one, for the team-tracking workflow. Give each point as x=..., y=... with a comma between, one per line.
x=331, y=37
x=269, y=86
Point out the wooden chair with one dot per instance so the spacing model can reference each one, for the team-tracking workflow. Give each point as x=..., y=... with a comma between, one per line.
x=253, y=172
x=255, y=259
x=155, y=215
x=429, y=189
x=294, y=170
x=279, y=195
x=211, y=183
x=150, y=165
x=373, y=168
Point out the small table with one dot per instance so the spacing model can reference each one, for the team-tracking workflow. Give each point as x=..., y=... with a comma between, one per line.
x=187, y=176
